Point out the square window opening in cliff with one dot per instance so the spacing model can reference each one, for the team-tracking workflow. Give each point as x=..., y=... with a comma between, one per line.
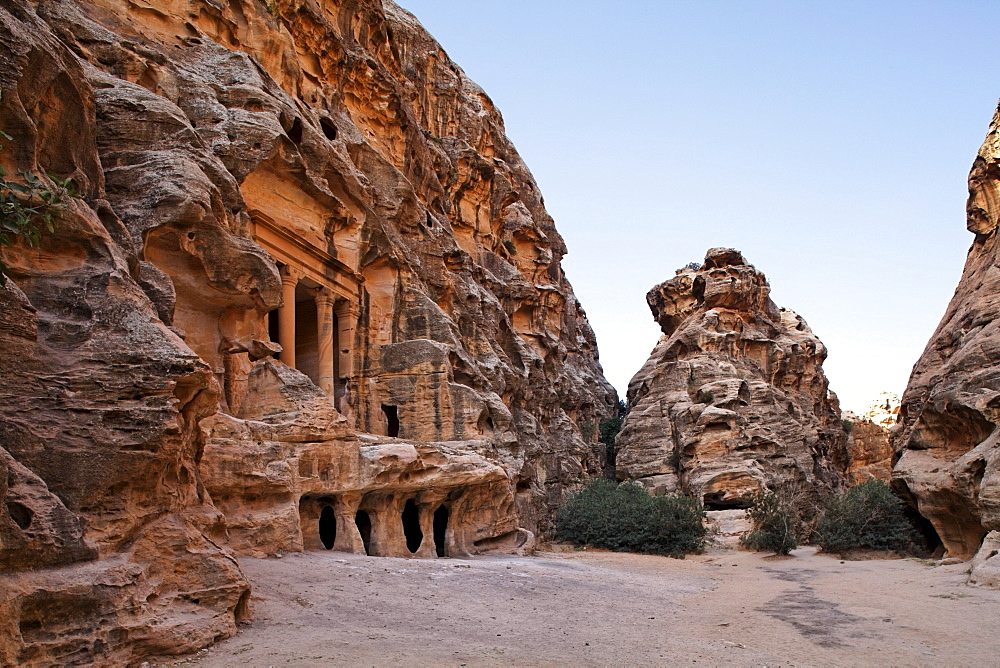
x=328, y=527
x=411, y=526
x=364, y=524
x=441, y=530
x=391, y=420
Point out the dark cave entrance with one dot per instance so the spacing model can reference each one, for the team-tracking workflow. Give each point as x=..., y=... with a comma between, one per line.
x=717, y=501
x=440, y=529
x=364, y=524
x=411, y=526
x=392, y=420
x=926, y=535
x=327, y=527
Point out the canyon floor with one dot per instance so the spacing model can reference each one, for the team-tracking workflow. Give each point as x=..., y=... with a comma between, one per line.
x=603, y=608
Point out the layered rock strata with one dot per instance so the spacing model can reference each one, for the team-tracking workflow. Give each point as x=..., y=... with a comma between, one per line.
x=315, y=180
x=733, y=398
x=947, y=441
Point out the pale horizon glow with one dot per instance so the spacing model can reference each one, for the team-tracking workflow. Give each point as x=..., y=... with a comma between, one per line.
x=828, y=141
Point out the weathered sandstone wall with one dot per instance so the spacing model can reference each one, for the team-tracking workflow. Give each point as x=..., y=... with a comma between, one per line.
x=947, y=442
x=315, y=179
x=733, y=397
x=870, y=450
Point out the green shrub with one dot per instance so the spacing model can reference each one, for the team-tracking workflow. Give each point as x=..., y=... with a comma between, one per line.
x=774, y=524
x=29, y=205
x=848, y=425
x=866, y=516
x=625, y=518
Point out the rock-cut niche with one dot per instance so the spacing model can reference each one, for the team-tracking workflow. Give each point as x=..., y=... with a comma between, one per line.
x=364, y=524
x=328, y=527
x=411, y=527
x=440, y=529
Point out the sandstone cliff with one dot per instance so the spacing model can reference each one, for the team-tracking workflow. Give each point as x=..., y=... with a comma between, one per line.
x=733, y=397
x=870, y=450
x=947, y=441
x=314, y=179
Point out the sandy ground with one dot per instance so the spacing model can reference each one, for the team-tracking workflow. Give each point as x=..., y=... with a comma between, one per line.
x=602, y=608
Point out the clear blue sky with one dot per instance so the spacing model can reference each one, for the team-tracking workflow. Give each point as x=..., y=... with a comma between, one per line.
x=828, y=141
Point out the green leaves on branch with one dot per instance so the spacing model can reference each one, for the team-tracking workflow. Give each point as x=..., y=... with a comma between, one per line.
x=29, y=206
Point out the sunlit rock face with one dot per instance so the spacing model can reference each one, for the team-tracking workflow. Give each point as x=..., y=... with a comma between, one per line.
x=869, y=448
x=316, y=181
x=947, y=441
x=733, y=398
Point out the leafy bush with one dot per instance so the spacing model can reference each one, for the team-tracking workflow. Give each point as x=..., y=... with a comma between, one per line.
x=774, y=522
x=29, y=206
x=866, y=516
x=848, y=425
x=625, y=518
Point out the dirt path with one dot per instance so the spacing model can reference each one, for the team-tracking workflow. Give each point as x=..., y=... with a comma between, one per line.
x=601, y=608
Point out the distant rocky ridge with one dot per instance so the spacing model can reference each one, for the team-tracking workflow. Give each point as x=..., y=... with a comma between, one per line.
x=316, y=180
x=733, y=398
x=947, y=447
x=868, y=443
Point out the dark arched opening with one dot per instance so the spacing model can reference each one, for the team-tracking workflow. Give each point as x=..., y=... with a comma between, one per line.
x=364, y=524
x=411, y=526
x=329, y=129
x=391, y=419
x=440, y=529
x=327, y=527
x=718, y=501
x=927, y=537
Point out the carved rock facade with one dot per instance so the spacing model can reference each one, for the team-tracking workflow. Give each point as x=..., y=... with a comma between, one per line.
x=733, y=398
x=947, y=441
x=312, y=179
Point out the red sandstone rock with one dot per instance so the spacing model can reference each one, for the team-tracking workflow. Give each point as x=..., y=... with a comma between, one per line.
x=314, y=179
x=947, y=441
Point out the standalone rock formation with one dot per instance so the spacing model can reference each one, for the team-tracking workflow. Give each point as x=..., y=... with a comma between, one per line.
x=947, y=441
x=733, y=397
x=316, y=180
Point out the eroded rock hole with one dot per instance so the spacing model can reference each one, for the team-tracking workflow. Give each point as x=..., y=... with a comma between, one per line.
x=327, y=527
x=295, y=132
x=440, y=529
x=21, y=515
x=411, y=526
x=391, y=419
x=329, y=129
x=364, y=524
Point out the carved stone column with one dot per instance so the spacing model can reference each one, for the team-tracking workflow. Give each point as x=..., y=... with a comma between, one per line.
x=347, y=320
x=286, y=315
x=324, y=336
